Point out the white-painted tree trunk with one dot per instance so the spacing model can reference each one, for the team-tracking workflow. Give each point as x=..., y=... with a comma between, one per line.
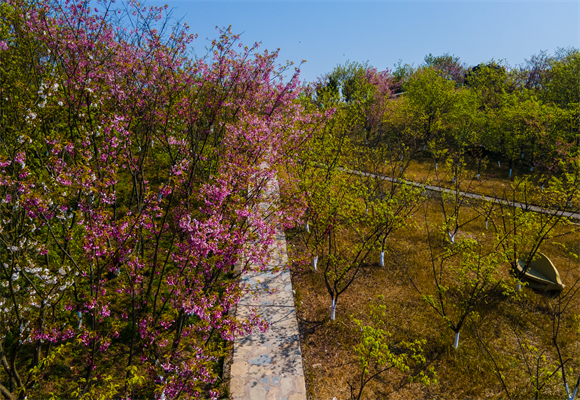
x=307, y=227
x=519, y=286
x=499, y=164
x=477, y=176
x=456, y=342
x=162, y=397
x=531, y=168
x=486, y=224
x=424, y=147
x=333, y=310
x=452, y=237
x=382, y=258
x=510, y=172
x=80, y=315
x=314, y=262
x=573, y=395
x=522, y=155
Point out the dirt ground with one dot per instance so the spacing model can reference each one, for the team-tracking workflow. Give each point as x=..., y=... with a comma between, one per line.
x=503, y=346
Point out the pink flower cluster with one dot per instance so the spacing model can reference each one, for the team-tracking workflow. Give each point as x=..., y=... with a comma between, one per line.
x=131, y=196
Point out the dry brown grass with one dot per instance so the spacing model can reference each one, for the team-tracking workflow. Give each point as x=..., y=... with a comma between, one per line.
x=493, y=180
x=467, y=372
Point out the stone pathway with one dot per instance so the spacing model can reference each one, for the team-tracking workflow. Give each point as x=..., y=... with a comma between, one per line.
x=527, y=207
x=269, y=365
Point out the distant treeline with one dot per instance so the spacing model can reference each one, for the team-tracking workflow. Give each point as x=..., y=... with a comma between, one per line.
x=527, y=116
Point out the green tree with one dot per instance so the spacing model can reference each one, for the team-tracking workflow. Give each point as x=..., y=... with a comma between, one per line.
x=429, y=101
x=526, y=217
x=449, y=66
x=465, y=279
x=377, y=353
x=564, y=88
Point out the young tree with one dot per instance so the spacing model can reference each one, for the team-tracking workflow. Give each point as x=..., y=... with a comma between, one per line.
x=390, y=200
x=464, y=278
x=527, y=217
x=377, y=354
x=350, y=212
x=339, y=234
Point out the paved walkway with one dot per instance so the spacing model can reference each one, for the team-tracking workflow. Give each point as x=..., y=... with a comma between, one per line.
x=269, y=365
x=527, y=207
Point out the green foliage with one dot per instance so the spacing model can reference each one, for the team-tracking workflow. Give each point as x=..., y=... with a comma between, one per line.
x=377, y=353
x=519, y=232
x=466, y=281
x=401, y=73
x=349, y=80
x=429, y=101
x=564, y=88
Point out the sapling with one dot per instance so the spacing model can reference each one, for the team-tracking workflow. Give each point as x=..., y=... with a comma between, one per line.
x=391, y=204
x=377, y=353
x=520, y=231
x=453, y=203
x=464, y=278
x=333, y=309
x=334, y=204
x=549, y=366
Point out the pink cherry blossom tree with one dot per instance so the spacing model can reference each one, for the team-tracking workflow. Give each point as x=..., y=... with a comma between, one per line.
x=130, y=176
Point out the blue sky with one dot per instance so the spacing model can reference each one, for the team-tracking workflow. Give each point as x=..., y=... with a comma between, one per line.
x=328, y=33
